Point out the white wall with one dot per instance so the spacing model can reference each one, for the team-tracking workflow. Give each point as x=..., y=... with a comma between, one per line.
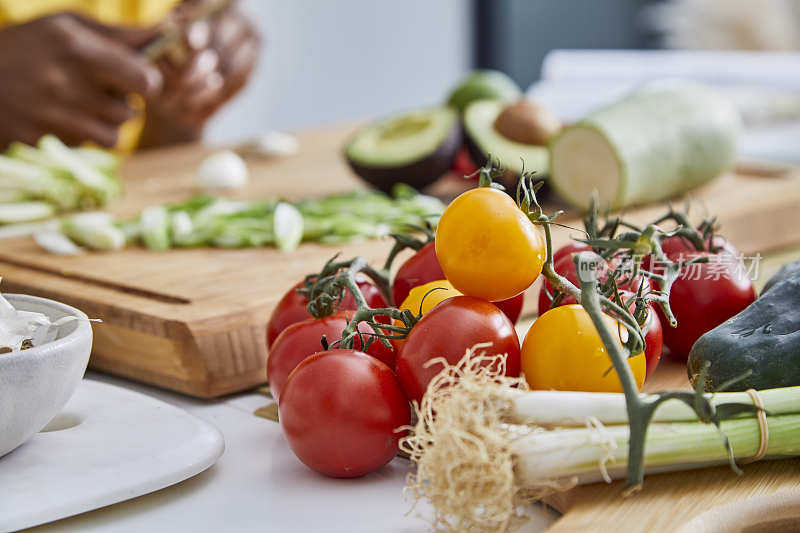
x=326, y=61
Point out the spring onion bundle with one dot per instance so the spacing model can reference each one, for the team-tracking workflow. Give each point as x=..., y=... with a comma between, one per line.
x=221, y=222
x=38, y=182
x=492, y=445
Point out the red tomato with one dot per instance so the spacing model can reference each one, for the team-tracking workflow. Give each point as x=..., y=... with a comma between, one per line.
x=676, y=245
x=672, y=246
x=448, y=330
x=292, y=307
x=463, y=165
x=339, y=411
x=512, y=307
x=569, y=249
x=419, y=269
x=566, y=267
x=304, y=338
x=653, y=340
x=704, y=296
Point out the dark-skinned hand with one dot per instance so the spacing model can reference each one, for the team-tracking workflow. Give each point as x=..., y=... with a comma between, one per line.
x=67, y=75
x=212, y=64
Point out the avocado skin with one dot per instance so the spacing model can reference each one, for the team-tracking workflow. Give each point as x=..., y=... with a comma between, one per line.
x=482, y=84
x=418, y=174
x=509, y=179
x=764, y=338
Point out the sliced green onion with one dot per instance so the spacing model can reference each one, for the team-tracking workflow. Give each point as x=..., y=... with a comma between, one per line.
x=32, y=155
x=27, y=229
x=57, y=243
x=12, y=195
x=287, y=226
x=11, y=213
x=95, y=230
x=103, y=160
x=154, y=228
x=37, y=181
x=181, y=226
x=101, y=186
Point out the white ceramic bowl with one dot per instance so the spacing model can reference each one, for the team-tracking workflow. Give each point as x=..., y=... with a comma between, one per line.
x=36, y=383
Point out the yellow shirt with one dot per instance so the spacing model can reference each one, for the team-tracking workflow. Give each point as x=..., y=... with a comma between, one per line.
x=122, y=12
x=113, y=12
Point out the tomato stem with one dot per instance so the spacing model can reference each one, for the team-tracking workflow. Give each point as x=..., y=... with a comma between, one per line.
x=587, y=263
x=404, y=241
x=325, y=290
x=328, y=287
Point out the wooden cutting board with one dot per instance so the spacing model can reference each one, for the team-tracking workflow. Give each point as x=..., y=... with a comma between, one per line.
x=766, y=498
x=194, y=320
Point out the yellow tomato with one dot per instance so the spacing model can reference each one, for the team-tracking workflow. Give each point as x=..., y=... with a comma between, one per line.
x=428, y=296
x=563, y=351
x=487, y=247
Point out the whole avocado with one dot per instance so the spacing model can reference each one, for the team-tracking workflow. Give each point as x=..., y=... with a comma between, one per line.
x=480, y=85
x=764, y=340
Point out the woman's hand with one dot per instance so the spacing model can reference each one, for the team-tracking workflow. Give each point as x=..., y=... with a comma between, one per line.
x=212, y=65
x=66, y=75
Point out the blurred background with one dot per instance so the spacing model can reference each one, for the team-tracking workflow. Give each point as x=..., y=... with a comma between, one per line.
x=329, y=62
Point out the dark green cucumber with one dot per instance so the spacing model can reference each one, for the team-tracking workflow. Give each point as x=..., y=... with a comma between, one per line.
x=763, y=340
x=787, y=271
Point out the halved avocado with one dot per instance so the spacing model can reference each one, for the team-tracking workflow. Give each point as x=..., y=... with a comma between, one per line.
x=417, y=148
x=509, y=133
x=483, y=84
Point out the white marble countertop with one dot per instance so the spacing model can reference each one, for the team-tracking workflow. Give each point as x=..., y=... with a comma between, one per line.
x=258, y=484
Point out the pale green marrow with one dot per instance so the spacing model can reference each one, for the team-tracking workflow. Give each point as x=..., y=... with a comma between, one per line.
x=657, y=143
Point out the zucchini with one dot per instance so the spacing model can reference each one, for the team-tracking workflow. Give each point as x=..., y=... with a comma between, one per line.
x=763, y=340
x=656, y=143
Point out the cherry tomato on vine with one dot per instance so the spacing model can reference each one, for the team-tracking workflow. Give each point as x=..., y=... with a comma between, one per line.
x=340, y=410
x=422, y=267
x=563, y=351
x=292, y=307
x=653, y=340
x=463, y=165
x=675, y=245
x=447, y=331
x=304, y=338
x=487, y=247
x=512, y=307
x=704, y=296
x=427, y=296
x=566, y=267
x=568, y=249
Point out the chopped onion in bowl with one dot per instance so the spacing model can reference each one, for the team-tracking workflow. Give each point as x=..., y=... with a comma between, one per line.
x=25, y=329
